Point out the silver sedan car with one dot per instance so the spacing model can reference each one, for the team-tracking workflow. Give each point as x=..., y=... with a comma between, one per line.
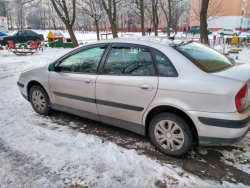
x=180, y=94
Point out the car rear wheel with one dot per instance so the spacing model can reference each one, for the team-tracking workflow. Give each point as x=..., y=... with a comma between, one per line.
x=39, y=100
x=170, y=134
x=235, y=34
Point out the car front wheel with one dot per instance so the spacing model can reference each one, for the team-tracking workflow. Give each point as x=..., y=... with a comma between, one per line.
x=170, y=134
x=39, y=100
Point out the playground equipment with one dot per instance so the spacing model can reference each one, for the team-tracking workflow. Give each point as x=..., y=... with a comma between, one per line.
x=23, y=50
x=55, y=39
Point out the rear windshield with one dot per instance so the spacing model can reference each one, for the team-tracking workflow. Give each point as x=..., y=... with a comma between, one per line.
x=204, y=57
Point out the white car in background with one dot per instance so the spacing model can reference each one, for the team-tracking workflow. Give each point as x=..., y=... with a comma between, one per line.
x=229, y=31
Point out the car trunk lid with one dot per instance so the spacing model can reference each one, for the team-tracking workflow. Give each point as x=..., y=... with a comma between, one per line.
x=241, y=72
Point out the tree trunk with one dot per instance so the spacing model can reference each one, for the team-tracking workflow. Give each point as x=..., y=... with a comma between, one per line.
x=113, y=25
x=97, y=30
x=72, y=35
x=203, y=22
x=142, y=17
x=169, y=17
x=54, y=22
x=155, y=19
x=111, y=16
x=21, y=17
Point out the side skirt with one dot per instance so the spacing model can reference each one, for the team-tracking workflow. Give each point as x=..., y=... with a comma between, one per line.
x=136, y=128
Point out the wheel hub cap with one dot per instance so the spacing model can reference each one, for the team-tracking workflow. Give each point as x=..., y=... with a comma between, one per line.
x=38, y=100
x=169, y=135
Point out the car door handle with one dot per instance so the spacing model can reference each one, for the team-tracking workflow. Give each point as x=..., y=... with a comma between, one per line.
x=146, y=87
x=88, y=81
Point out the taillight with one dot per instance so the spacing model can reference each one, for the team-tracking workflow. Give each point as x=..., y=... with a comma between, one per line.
x=241, y=99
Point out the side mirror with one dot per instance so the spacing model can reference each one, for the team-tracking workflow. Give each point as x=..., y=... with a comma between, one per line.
x=51, y=67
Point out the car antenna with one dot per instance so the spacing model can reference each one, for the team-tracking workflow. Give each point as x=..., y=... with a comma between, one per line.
x=172, y=37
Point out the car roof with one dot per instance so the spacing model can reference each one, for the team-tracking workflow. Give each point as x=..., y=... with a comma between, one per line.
x=156, y=42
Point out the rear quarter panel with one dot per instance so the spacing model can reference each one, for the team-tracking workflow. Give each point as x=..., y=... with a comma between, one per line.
x=195, y=90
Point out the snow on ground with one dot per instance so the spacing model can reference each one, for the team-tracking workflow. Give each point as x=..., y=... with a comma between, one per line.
x=34, y=152
x=237, y=158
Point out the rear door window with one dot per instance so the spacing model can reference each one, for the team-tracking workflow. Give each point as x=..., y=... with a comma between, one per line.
x=204, y=57
x=30, y=32
x=164, y=65
x=129, y=59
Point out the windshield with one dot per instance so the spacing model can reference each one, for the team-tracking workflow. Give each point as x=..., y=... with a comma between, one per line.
x=13, y=33
x=204, y=57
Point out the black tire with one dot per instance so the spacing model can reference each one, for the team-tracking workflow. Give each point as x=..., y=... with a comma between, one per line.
x=235, y=34
x=183, y=130
x=44, y=108
x=37, y=40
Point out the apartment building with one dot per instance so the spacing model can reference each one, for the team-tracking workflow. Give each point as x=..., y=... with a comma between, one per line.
x=224, y=13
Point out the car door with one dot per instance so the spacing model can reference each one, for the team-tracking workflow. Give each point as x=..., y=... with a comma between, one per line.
x=73, y=82
x=126, y=86
x=30, y=35
x=21, y=37
x=225, y=31
x=230, y=32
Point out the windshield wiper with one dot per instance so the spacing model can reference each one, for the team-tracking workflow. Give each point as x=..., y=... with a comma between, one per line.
x=183, y=43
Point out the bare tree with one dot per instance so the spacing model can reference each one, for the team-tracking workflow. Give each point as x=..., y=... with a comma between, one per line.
x=173, y=10
x=52, y=14
x=137, y=6
x=63, y=8
x=110, y=6
x=21, y=4
x=215, y=9
x=153, y=11
x=203, y=21
x=94, y=10
x=3, y=11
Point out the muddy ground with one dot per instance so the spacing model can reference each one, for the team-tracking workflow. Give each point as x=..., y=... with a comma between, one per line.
x=204, y=162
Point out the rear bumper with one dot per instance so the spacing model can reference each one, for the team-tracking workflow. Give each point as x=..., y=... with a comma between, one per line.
x=221, y=128
x=203, y=141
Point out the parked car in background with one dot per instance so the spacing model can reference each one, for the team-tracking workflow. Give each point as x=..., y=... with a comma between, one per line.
x=165, y=30
x=21, y=36
x=2, y=34
x=181, y=94
x=196, y=30
x=229, y=31
x=209, y=32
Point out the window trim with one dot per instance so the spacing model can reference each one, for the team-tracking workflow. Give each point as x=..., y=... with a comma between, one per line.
x=127, y=45
x=154, y=55
x=57, y=62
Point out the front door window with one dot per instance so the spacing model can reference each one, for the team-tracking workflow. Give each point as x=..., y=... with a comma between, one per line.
x=85, y=61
